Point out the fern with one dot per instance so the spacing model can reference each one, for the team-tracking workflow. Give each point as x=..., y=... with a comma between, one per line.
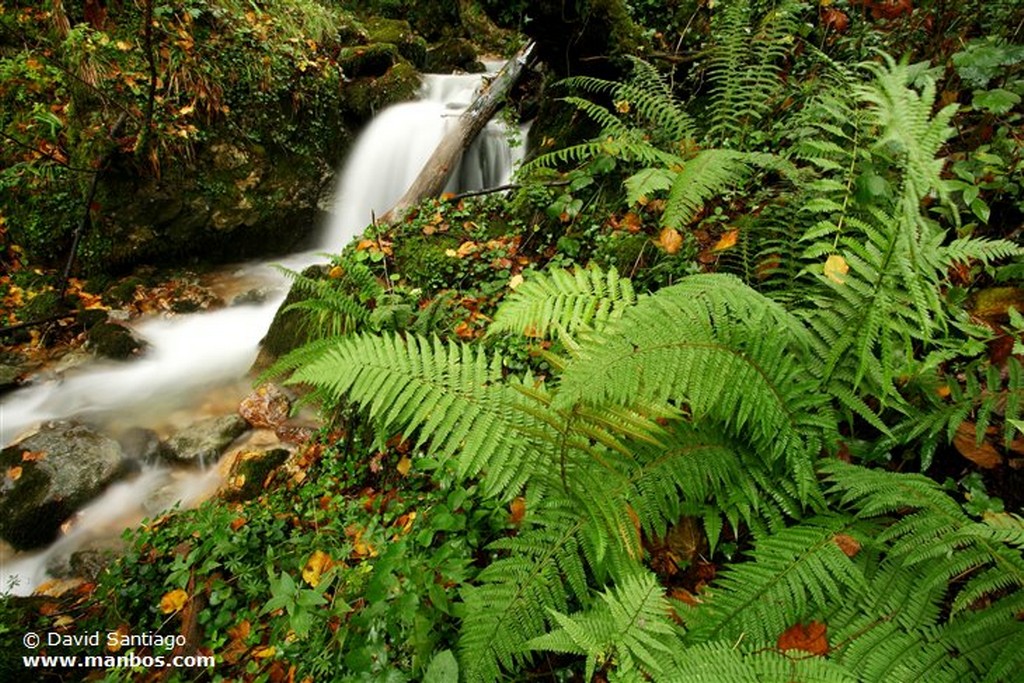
x=560, y=301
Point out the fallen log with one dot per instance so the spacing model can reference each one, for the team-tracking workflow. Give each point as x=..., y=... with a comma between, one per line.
x=431, y=180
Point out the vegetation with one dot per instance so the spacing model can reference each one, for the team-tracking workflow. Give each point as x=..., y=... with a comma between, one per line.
x=729, y=390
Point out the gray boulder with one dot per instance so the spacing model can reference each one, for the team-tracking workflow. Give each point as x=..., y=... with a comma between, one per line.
x=203, y=443
x=49, y=476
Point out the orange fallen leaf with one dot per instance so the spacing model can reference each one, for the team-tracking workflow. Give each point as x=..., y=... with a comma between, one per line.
x=727, y=240
x=465, y=249
x=237, y=523
x=810, y=638
x=984, y=456
x=173, y=601
x=848, y=544
x=670, y=240
x=632, y=222
x=14, y=473
x=264, y=652
x=336, y=272
x=516, y=511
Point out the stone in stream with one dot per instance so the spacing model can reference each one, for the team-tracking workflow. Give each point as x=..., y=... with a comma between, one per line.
x=113, y=341
x=249, y=472
x=49, y=476
x=203, y=443
x=267, y=407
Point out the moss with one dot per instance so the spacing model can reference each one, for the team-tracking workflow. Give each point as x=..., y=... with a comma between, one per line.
x=454, y=54
x=366, y=96
x=398, y=33
x=367, y=61
x=424, y=263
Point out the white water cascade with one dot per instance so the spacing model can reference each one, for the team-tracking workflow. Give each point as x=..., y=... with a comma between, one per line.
x=396, y=145
x=195, y=365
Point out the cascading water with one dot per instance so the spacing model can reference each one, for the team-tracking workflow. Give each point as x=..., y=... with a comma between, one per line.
x=191, y=358
x=396, y=145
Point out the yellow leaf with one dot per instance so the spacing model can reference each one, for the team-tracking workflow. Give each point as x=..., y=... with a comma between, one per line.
x=404, y=465
x=336, y=272
x=316, y=565
x=727, y=240
x=670, y=240
x=173, y=601
x=515, y=281
x=836, y=268
x=264, y=652
x=14, y=473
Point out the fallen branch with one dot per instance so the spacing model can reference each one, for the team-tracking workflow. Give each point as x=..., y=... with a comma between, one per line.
x=502, y=188
x=33, y=323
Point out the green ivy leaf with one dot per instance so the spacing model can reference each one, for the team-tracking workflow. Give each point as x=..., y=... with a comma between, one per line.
x=443, y=667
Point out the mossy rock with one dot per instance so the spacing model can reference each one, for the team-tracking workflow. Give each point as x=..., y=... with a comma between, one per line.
x=400, y=34
x=368, y=61
x=250, y=470
x=288, y=329
x=113, y=341
x=453, y=54
x=364, y=97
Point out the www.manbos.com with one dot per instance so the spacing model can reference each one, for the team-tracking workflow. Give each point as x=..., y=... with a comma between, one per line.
x=129, y=660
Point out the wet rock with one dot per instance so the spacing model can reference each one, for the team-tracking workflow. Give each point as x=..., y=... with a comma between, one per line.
x=254, y=296
x=203, y=443
x=49, y=476
x=141, y=445
x=398, y=33
x=250, y=471
x=87, y=561
x=113, y=341
x=12, y=370
x=266, y=408
x=367, y=61
x=454, y=54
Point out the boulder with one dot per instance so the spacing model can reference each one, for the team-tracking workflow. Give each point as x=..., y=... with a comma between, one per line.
x=267, y=407
x=48, y=476
x=249, y=472
x=453, y=54
x=113, y=341
x=203, y=443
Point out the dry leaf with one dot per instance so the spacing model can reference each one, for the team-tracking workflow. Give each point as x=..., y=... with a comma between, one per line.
x=403, y=466
x=173, y=601
x=984, y=456
x=264, y=652
x=848, y=544
x=336, y=272
x=727, y=240
x=14, y=473
x=836, y=268
x=515, y=281
x=810, y=638
x=517, y=511
x=237, y=523
x=670, y=240
x=318, y=563
x=465, y=249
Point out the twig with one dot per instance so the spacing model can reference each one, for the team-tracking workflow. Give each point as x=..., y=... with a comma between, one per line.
x=48, y=155
x=33, y=323
x=502, y=188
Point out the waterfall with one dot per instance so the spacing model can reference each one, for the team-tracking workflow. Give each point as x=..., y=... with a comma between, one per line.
x=394, y=147
x=196, y=364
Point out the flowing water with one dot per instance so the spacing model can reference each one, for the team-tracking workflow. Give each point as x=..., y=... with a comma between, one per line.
x=196, y=365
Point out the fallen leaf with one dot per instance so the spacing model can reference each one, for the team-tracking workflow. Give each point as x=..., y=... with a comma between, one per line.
x=516, y=511
x=403, y=466
x=264, y=652
x=515, y=281
x=465, y=249
x=810, y=638
x=727, y=240
x=318, y=563
x=14, y=473
x=632, y=222
x=836, y=269
x=984, y=455
x=237, y=523
x=336, y=272
x=670, y=240
x=848, y=544
x=173, y=601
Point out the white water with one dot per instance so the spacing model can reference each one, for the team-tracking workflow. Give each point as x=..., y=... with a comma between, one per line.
x=196, y=364
x=392, y=150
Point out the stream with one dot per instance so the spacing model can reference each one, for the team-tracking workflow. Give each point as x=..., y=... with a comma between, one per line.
x=196, y=365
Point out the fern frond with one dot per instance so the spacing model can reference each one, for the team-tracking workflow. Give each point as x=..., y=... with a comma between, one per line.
x=560, y=300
